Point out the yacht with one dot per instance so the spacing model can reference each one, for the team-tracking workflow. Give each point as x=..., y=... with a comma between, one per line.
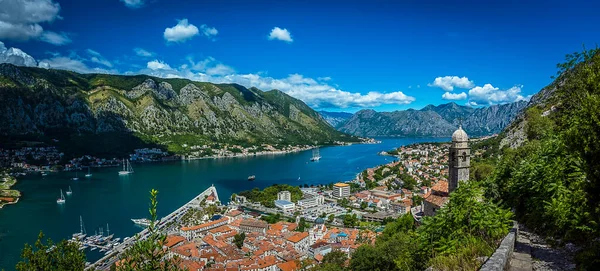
x=316, y=156
x=141, y=221
x=76, y=175
x=89, y=174
x=251, y=178
x=127, y=169
x=61, y=200
x=69, y=192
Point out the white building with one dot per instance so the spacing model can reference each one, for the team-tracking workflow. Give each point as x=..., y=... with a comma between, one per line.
x=286, y=206
x=341, y=190
x=311, y=202
x=284, y=195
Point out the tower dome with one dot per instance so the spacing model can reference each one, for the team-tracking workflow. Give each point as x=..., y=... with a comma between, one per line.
x=460, y=135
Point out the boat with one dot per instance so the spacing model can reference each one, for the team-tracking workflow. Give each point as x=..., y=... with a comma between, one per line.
x=82, y=233
x=89, y=174
x=141, y=221
x=44, y=173
x=127, y=169
x=76, y=175
x=61, y=200
x=93, y=248
x=316, y=156
x=69, y=192
x=251, y=178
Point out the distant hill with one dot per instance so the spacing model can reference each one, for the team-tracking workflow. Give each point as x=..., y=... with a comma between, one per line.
x=335, y=118
x=433, y=121
x=115, y=112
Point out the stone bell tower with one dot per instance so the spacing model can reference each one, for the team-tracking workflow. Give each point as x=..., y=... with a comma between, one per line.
x=459, y=159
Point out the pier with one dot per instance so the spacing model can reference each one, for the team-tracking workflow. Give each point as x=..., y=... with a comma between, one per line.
x=105, y=262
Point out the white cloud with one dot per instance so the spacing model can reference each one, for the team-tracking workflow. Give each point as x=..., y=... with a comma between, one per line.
x=20, y=19
x=488, y=95
x=181, y=32
x=143, y=53
x=309, y=90
x=133, y=3
x=280, y=34
x=326, y=78
x=454, y=96
x=55, y=38
x=209, y=65
x=72, y=63
x=158, y=65
x=209, y=32
x=15, y=56
x=448, y=83
x=98, y=58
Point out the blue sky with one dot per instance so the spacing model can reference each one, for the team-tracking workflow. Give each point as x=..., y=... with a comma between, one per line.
x=334, y=55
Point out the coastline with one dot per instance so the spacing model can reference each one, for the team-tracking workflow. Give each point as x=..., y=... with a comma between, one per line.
x=6, y=192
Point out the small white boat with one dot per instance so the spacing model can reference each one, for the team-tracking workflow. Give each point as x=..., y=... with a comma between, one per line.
x=61, y=200
x=316, y=156
x=44, y=174
x=127, y=169
x=76, y=175
x=69, y=192
x=141, y=221
x=89, y=174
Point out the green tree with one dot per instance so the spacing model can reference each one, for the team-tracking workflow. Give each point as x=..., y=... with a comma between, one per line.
x=49, y=256
x=330, y=218
x=364, y=205
x=302, y=225
x=148, y=254
x=238, y=240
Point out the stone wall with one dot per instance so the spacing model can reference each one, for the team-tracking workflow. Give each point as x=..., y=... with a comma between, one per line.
x=501, y=258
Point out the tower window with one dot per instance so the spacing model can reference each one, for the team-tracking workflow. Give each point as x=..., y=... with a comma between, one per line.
x=464, y=156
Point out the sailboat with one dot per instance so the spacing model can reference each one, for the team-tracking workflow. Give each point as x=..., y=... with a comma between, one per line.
x=69, y=192
x=127, y=169
x=89, y=174
x=316, y=156
x=61, y=200
x=76, y=175
x=82, y=233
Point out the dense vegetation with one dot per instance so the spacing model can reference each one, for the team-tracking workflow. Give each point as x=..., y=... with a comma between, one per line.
x=468, y=227
x=268, y=195
x=553, y=180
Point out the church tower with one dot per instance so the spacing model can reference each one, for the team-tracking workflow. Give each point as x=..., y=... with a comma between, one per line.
x=459, y=160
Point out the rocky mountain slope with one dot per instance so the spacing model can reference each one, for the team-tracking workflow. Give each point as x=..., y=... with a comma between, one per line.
x=336, y=119
x=433, y=121
x=56, y=103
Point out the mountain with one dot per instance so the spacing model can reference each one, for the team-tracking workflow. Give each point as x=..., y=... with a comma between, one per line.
x=433, y=121
x=140, y=109
x=335, y=118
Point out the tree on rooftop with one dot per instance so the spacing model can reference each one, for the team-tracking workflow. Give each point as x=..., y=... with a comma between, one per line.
x=238, y=240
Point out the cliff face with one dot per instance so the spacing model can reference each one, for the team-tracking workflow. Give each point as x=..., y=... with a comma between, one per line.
x=42, y=102
x=434, y=121
x=336, y=119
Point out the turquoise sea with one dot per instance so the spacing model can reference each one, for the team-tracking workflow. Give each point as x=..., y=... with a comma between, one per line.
x=109, y=198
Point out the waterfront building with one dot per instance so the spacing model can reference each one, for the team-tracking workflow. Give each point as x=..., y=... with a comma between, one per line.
x=285, y=205
x=284, y=195
x=195, y=231
x=341, y=190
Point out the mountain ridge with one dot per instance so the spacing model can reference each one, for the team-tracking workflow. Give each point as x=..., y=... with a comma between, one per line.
x=167, y=111
x=432, y=120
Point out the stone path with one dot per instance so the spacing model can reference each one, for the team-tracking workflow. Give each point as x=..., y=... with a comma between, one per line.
x=533, y=253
